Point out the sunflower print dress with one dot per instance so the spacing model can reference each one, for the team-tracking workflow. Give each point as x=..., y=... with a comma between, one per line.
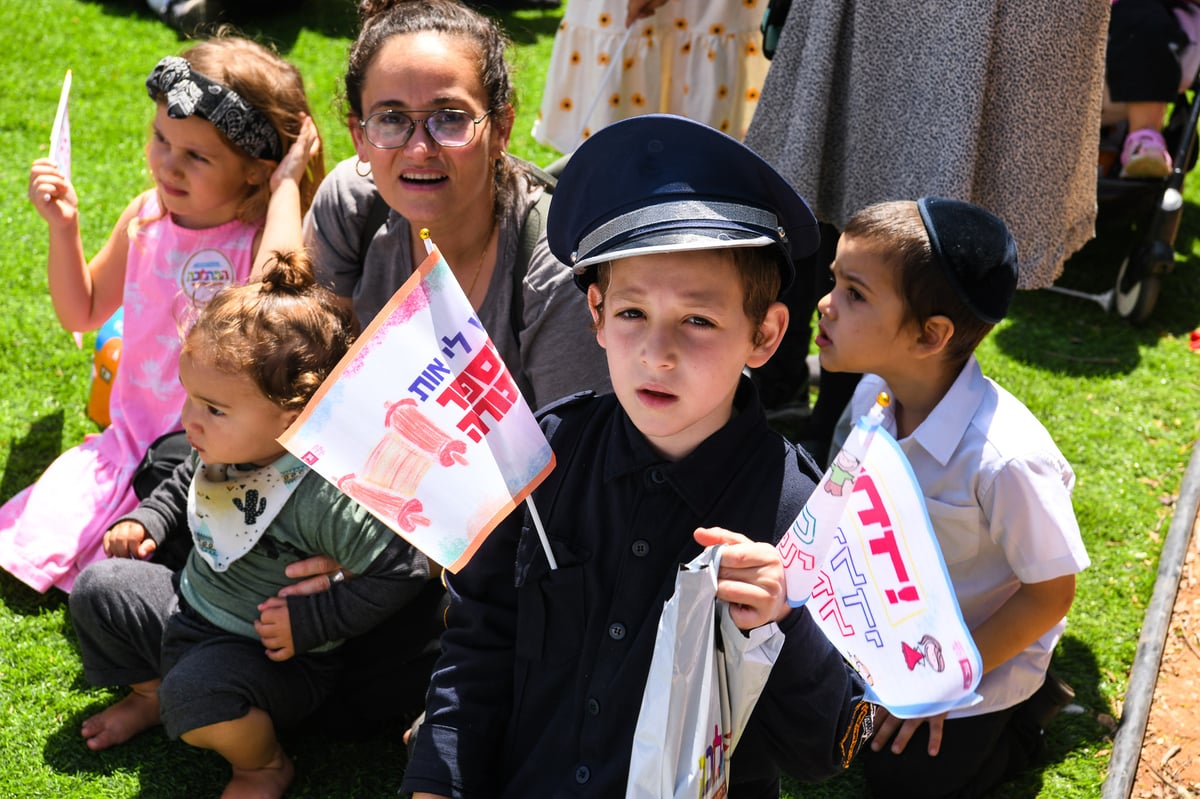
x=696, y=58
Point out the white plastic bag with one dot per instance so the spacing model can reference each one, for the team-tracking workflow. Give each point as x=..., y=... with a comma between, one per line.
x=700, y=691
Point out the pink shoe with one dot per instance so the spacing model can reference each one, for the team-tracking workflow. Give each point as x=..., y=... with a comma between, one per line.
x=1145, y=155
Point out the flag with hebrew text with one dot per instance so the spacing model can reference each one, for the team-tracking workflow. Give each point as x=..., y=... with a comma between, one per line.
x=422, y=423
x=863, y=559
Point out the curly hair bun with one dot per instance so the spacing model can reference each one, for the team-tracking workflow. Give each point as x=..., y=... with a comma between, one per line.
x=287, y=272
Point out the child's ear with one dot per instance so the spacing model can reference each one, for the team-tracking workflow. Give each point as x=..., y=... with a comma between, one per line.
x=260, y=172
x=595, y=301
x=935, y=335
x=769, y=335
x=289, y=417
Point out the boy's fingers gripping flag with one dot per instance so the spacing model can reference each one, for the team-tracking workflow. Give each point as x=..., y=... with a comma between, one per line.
x=863, y=558
x=810, y=536
x=422, y=424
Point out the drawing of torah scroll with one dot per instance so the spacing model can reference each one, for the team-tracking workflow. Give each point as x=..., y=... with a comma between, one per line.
x=396, y=466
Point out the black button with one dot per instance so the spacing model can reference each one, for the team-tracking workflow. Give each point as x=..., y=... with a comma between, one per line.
x=593, y=707
x=616, y=631
x=656, y=476
x=641, y=548
x=583, y=774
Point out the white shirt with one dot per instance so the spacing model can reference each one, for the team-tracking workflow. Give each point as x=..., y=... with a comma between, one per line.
x=998, y=491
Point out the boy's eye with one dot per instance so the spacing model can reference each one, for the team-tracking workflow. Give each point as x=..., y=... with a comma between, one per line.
x=629, y=313
x=855, y=294
x=215, y=411
x=197, y=157
x=699, y=321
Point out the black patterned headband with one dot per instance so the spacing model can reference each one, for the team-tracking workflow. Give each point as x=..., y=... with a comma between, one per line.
x=187, y=93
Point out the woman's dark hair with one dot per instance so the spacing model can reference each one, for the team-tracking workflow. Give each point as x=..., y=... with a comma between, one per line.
x=383, y=19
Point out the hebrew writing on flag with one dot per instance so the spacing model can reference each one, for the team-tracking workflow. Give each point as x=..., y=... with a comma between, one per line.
x=422, y=423
x=862, y=557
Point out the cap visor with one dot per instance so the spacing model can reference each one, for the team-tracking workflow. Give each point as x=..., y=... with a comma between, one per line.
x=674, y=241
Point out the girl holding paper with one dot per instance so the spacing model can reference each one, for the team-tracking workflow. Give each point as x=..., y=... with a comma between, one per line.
x=235, y=159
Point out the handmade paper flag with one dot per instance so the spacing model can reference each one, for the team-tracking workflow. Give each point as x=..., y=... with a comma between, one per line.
x=60, y=133
x=804, y=545
x=60, y=151
x=422, y=423
x=878, y=585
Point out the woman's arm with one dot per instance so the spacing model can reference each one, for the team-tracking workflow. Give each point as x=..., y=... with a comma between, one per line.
x=353, y=606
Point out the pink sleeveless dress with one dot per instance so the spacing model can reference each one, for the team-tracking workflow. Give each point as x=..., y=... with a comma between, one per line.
x=55, y=527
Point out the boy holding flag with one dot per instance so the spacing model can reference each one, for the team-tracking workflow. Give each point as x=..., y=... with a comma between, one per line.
x=917, y=287
x=683, y=240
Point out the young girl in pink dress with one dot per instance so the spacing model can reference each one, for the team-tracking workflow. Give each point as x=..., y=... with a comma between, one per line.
x=235, y=159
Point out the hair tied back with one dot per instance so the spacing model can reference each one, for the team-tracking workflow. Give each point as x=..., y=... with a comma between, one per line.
x=287, y=272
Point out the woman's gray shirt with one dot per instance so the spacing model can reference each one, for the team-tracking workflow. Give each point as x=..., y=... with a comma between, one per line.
x=551, y=353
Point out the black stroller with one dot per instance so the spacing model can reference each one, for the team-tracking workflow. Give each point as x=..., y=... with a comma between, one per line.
x=1152, y=207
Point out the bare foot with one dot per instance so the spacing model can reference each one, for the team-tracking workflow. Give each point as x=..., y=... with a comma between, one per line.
x=121, y=720
x=268, y=782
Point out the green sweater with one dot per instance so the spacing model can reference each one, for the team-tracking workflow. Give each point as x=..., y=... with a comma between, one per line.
x=317, y=519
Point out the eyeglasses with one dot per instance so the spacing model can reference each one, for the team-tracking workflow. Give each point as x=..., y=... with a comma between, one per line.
x=390, y=130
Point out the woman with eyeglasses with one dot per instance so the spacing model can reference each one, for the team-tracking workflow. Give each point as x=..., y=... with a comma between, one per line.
x=430, y=110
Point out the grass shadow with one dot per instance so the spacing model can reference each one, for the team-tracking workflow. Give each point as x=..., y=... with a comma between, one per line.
x=1084, y=339
x=22, y=600
x=1075, y=663
x=155, y=759
x=165, y=769
x=29, y=457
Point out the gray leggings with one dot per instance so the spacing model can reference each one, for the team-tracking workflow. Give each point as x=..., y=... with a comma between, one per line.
x=132, y=628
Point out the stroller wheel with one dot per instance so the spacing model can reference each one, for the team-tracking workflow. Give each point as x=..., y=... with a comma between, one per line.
x=1136, y=290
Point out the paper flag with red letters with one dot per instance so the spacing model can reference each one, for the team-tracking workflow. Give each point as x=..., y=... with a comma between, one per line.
x=422, y=423
x=862, y=557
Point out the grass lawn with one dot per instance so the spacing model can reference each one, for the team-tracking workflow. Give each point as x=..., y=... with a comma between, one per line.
x=1121, y=401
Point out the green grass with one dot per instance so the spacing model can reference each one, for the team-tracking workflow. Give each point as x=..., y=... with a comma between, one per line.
x=1121, y=401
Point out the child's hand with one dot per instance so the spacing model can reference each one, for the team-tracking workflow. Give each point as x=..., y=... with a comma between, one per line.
x=751, y=578
x=51, y=193
x=128, y=539
x=641, y=9
x=887, y=725
x=274, y=627
x=295, y=160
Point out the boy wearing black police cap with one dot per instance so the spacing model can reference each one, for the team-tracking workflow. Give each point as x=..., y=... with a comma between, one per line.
x=917, y=285
x=683, y=240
